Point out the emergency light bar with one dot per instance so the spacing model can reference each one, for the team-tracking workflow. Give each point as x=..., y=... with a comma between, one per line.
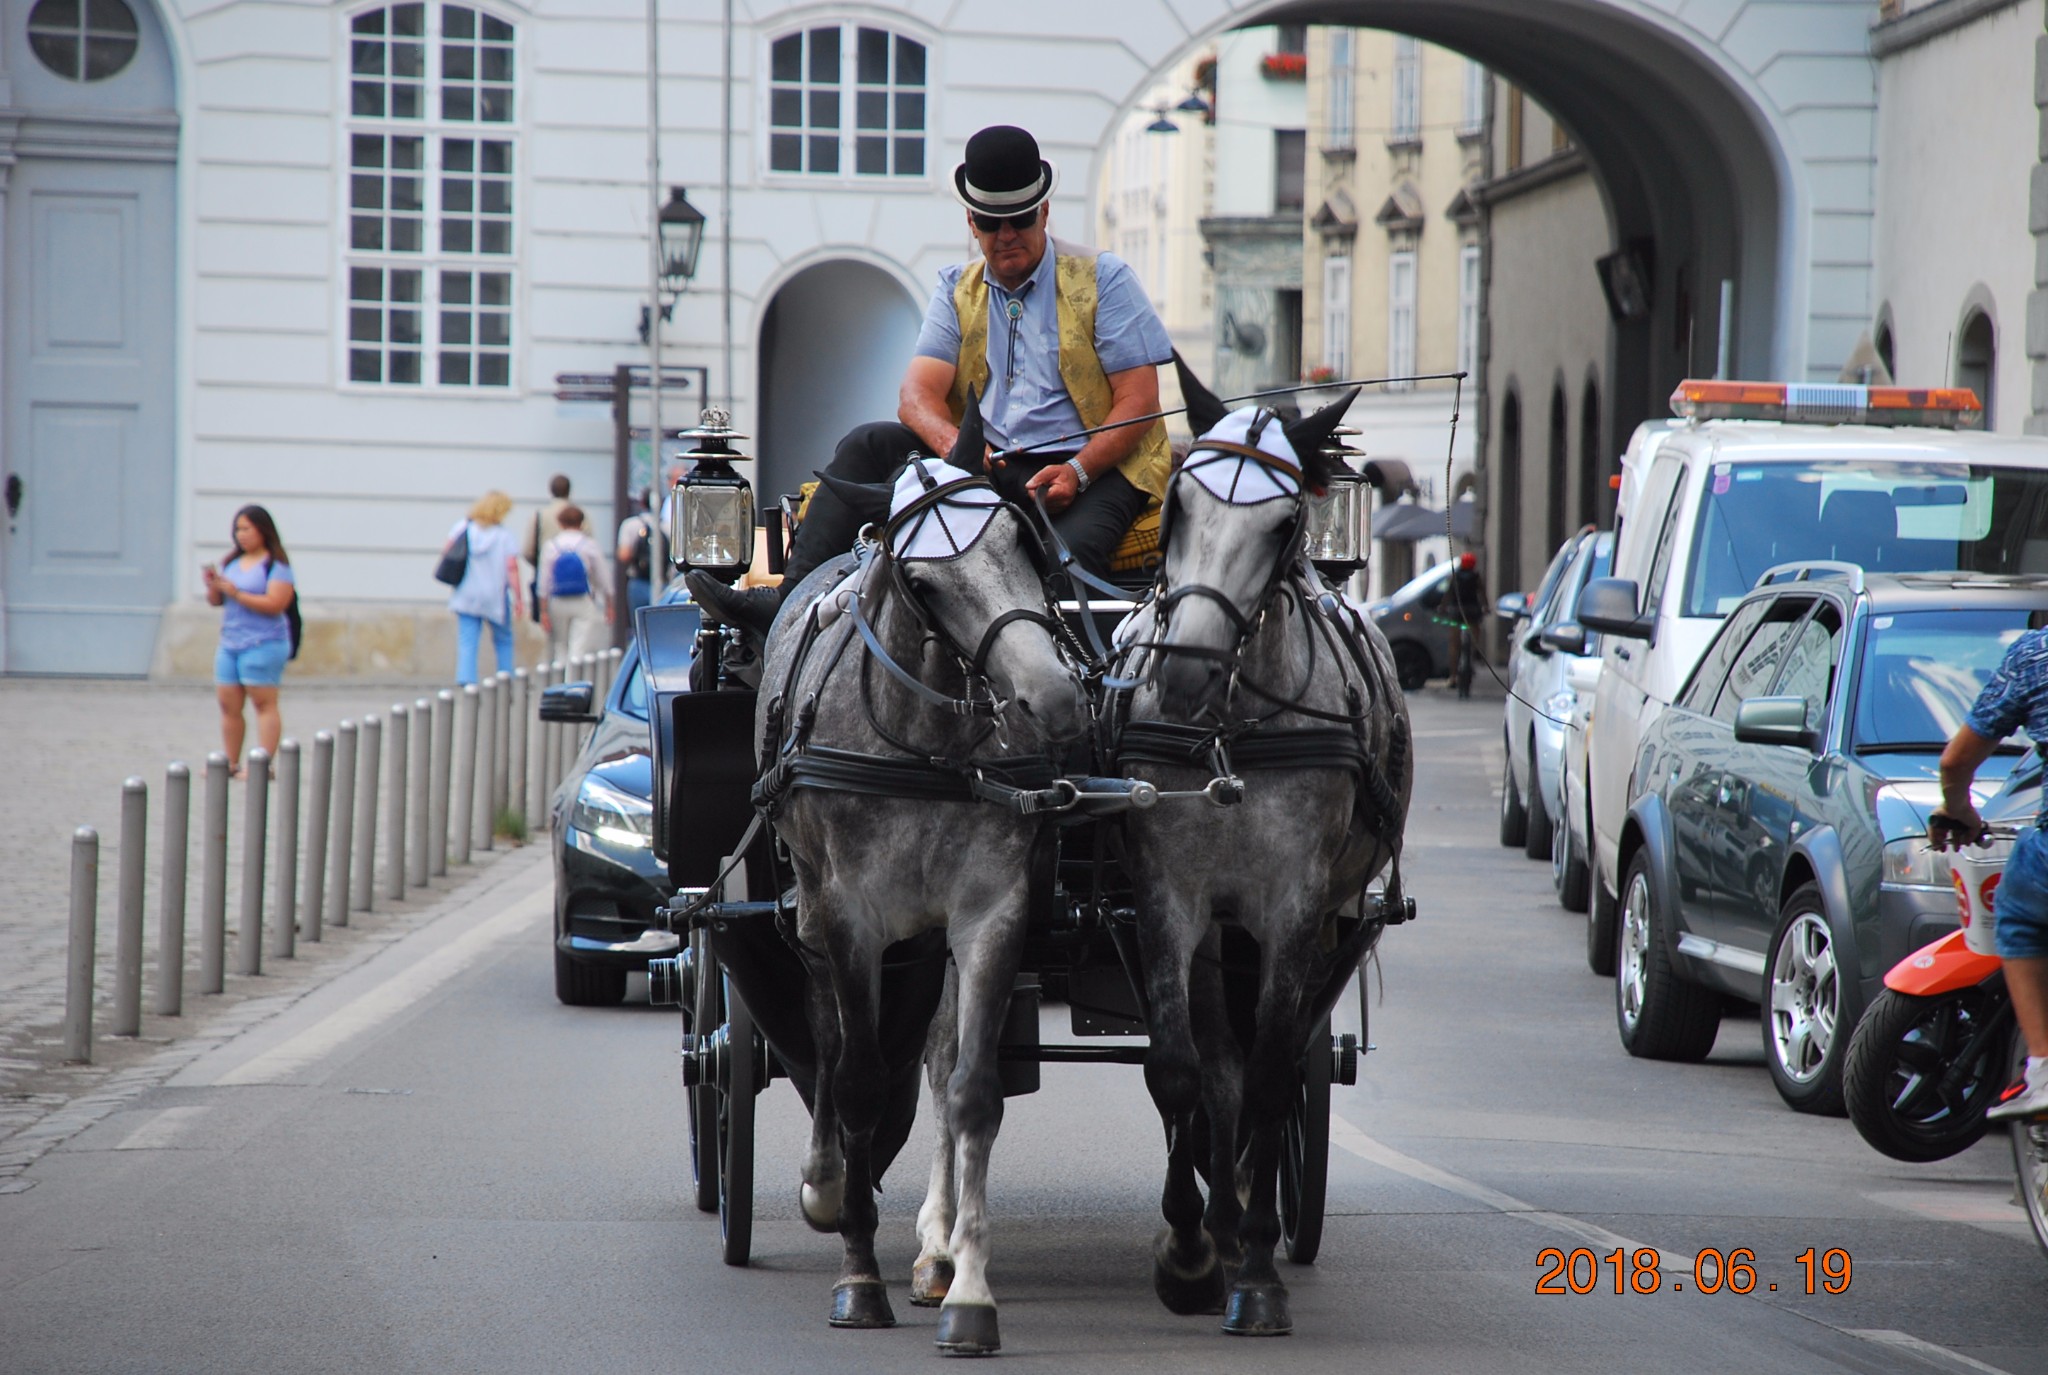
x=1828, y=403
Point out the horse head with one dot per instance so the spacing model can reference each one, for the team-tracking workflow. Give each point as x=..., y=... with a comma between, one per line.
x=969, y=570
x=1230, y=531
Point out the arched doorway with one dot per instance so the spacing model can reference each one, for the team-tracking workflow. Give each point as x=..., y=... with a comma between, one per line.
x=834, y=342
x=1560, y=476
x=1977, y=362
x=1590, y=483
x=1507, y=552
x=88, y=371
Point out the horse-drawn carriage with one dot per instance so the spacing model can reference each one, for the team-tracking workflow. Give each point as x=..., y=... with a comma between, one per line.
x=911, y=692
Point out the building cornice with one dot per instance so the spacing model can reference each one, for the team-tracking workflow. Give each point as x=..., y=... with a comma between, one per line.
x=1910, y=30
x=1555, y=168
x=125, y=138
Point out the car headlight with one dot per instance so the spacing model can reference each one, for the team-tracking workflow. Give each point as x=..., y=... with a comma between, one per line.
x=1910, y=862
x=614, y=817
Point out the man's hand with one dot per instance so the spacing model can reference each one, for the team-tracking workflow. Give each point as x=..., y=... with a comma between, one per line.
x=1060, y=483
x=1951, y=831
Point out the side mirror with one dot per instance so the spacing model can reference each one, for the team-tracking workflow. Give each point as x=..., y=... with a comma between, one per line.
x=1568, y=636
x=1774, y=721
x=1609, y=606
x=570, y=702
x=1533, y=642
x=1512, y=606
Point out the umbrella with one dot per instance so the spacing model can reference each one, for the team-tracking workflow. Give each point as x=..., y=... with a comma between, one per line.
x=1408, y=521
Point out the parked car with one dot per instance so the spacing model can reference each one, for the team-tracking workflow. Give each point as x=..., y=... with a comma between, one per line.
x=1761, y=474
x=1776, y=850
x=1408, y=618
x=1546, y=644
x=607, y=881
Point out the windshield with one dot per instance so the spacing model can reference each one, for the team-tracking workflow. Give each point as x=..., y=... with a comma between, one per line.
x=1415, y=586
x=633, y=696
x=1884, y=517
x=1922, y=672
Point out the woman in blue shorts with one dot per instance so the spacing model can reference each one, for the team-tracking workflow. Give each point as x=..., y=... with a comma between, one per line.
x=255, y=587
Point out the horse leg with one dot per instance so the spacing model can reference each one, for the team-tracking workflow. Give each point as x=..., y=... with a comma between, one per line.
x=1186, y=1273
x=932, y=1275
x=986, y=954
x=1258, y=1299
x=1222, y=1062
x=860, y=1298
x=823, y=1190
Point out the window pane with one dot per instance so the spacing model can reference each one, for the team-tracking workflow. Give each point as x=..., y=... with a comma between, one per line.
x=366, y=193
x=364, y=365
x=497, y=288
x=405, y=285
x=407, y=102
x=497, y=157
x=909, y=111
x=408, y=153
x=871, y=155
x=455, y=236
x=406, y=236
x=372, y=22
x=405, y=367
x=824, y=109
x=405, y=327
x=873, y=62
x=455, y=369
x=458, y=155
x=786, y=58
x=494, y=105
x=366, y=325
x=454, y=327
x=494, y=236
x=409, y=21
x=458, y=102
x=494, y=370
x=494, y=329
x=497, y=64
x=825, y=55
x=105, y=56
x=785, y=153
x=366, y=59
x=497, y=197
x=405, y=193
x=409, y=59
x=786, y=108
x=365, y=99
x=909, y=62
x=458, y=194
x=366, y=150
x=458, y=22
x=455, y=288
x=871, y=110
x=365, y=232
x=496, y=30
x=458, y=63
x=824, y=154
x=909, y=157
x=365, y=284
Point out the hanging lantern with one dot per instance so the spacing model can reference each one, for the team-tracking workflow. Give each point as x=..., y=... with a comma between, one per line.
x=710, y=518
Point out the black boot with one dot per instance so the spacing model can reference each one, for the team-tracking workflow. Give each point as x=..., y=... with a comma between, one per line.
x=750, y=608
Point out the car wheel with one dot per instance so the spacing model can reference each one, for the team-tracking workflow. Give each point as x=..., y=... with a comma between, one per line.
x=1906, y=1082
x=1411, y=665
x=1661, y=1016
x=1536, y=830
x=1568, y=872
x=585, y=985
x=1810, y=1011
x=1514, y=822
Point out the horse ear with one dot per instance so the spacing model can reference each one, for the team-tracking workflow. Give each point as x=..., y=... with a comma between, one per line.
x=969, y=443
x=1308, y=435
x=867, y=500
x=1205, y=410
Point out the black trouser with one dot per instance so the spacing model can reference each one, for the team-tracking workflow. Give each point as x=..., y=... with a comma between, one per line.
x=1093, y=526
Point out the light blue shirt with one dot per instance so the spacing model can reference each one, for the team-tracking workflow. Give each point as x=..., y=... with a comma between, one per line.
x=241, y=628
x=1027, y=402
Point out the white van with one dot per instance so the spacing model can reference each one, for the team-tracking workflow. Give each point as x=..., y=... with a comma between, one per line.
x=1753, y=475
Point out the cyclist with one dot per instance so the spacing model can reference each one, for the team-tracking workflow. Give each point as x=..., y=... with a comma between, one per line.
x=2016, y=696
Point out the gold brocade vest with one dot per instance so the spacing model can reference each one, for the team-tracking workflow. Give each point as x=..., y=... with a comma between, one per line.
x=1149, y=465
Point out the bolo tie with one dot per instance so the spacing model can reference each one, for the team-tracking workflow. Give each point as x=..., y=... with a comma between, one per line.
x=1014, y=308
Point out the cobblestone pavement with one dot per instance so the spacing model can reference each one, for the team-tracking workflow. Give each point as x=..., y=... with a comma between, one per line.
x=69, y=744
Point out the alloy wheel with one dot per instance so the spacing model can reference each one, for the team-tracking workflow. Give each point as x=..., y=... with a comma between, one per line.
x=1633, y=966
x=1805, y=998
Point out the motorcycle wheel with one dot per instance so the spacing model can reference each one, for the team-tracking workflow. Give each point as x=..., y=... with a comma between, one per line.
x=1904, y=1090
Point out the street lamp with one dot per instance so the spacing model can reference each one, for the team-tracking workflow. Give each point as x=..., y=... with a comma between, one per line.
x=711, y=511
x=681, y=227
x=1339, y=528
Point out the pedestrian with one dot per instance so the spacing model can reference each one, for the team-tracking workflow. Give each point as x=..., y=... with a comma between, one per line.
x=489, y=590
x=547, y=523
x=2016, y=697
x=1050, y=338
x=256, y=587
x=576, y=606
x=636, y=555
x=1464, y=608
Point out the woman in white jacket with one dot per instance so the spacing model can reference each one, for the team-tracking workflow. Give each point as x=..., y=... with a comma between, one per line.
x=489, y=590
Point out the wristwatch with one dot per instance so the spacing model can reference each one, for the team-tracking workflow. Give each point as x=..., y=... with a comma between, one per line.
x=1080, y=472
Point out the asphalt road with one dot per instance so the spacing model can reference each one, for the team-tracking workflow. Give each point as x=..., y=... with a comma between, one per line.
x=429, y=1165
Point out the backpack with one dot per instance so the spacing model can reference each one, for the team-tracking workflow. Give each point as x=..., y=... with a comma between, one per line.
x=291, y=610
x=641, y=565
x=571, y=578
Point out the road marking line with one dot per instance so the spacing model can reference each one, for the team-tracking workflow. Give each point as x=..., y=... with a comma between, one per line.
x=162, y=1129
x=1352, y=1139
x=394, y=995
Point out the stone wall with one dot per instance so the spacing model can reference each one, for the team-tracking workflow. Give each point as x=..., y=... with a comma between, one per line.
x=371, y=640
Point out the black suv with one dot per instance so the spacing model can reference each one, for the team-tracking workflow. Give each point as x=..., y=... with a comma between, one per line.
x=1775, y=850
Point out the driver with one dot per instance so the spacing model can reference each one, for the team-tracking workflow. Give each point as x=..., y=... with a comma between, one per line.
x=2016, y=696
x=1053, y=337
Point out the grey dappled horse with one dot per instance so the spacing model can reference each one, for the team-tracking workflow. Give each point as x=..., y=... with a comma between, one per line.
x=969, y=624
x=1236, y=636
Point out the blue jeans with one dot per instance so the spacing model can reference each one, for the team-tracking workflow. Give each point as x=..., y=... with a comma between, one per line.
x=2022, y=901
x=468, y=630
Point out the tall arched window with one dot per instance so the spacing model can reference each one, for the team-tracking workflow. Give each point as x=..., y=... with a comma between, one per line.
x=1507, y=565
x=1558, y=497
x=818, y=77
x=1591, y=485
x=431, y=148
x=1977, y=361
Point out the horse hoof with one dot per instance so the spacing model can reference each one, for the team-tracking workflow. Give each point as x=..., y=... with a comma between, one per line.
x=821, y=1206
x=861, y=1303
x=1187, y=1287
x=968, y=1329
x=1257, y=1310
x=929, y=1281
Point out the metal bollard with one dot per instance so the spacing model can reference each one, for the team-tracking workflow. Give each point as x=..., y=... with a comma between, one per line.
x=484, y=820
x=363, y=883
x=284, y=918
x=515, y=747
x=463, y=796
x=501, y=750
x=417, y=859
x=128, y=908
x=342, y=852
x=85, y=897
x=255, y=818
x=213, y=869
x=535, y=735
x=440, y=760
x=544, y=738
x=170, y=903
x=394, y=804
x=319, y=798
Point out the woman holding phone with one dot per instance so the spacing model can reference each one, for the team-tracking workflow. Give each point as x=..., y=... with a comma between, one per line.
x=255, y=586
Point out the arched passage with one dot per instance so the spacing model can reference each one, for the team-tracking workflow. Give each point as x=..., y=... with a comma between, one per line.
x=833, y=343
x=1560, y=481
x=1507, y=546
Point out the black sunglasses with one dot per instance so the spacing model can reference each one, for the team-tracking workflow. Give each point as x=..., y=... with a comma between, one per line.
x=991, y=224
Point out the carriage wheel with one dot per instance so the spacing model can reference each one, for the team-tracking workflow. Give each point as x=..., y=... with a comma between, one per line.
x=1305, y=1154
x=709, y=1009
x=740, y=1079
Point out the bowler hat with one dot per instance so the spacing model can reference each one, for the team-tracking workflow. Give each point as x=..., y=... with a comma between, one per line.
x=1003, y=173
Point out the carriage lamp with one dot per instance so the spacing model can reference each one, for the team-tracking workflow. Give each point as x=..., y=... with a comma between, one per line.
x=711, y=509
x=1337, y=528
